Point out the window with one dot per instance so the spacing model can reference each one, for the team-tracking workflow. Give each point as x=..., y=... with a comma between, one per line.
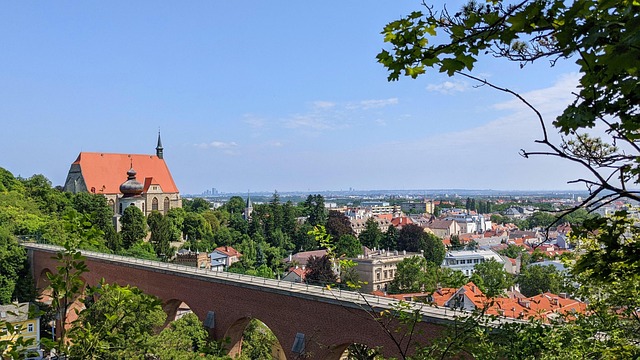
x=386, y=274
x=154, y=204
x=378, y=277
x=166, y=205
x=30, y=327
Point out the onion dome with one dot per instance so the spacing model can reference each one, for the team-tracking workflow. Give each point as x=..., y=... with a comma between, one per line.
x=131, y=187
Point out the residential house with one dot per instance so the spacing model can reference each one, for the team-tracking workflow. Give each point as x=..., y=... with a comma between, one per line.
x=378, y=268
x=444, y=228
x=18, y=316
x=469, y=297
x=466, y=260
x=230, y=255
x=296, y=274
x=193, y=258
x=302, y=257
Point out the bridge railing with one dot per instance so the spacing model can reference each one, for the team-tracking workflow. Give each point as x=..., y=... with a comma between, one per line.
x=367, y=302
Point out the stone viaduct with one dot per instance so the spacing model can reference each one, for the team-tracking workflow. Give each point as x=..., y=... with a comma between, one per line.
x=308, y=321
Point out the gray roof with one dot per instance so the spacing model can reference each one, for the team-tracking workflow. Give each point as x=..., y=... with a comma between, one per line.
x=14, y=312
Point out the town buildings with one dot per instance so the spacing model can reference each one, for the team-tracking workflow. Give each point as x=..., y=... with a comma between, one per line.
x=377, y=268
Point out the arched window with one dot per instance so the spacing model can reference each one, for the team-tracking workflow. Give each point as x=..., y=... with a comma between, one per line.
x=154, y=204
x=112, y=205
x=143, y=208
x=167, y=205
x=120, y=210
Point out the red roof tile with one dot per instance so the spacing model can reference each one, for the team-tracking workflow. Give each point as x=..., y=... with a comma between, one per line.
x=106, y=172
x=229, y=251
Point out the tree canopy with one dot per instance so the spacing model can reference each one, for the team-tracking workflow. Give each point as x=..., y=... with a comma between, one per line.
x=600, y=36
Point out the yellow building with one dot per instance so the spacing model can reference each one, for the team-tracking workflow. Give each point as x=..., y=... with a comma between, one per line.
x=17, y=315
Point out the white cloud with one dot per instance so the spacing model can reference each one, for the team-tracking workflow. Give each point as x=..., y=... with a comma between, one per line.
x=323, y=104
x=255, y=122
x=486, y=156
x=375, y=103
x=449, y=87
x=552, y=99
x=217, y=145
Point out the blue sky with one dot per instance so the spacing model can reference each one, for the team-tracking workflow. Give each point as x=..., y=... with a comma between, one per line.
x=262, y=96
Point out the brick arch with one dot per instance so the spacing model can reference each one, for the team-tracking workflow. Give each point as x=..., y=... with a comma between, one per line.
x=234, y=335
x=172, y=307
x=326, y=325
x=42, y=285
x=336, y=351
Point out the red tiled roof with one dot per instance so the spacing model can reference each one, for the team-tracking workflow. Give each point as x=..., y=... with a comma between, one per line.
x=106, y=172
x=301, y=272
x=229, y=251
x=400, y=221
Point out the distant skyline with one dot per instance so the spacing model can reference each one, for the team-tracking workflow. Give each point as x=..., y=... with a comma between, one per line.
x=256, y=96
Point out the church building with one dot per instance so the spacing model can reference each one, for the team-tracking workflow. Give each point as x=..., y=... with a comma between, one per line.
x=125, y=180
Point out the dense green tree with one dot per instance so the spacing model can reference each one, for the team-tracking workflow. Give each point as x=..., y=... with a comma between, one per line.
x=434, y=249
x=13, y=267
x=197, y=205
x=371, y=236
x=96, y=206
x=303, y=241
x=320, y=271
x=9, y=183
x=411, y=238
x=162, y=234
x=412, y=275
x=315, y=210
x=140, y=250
x=195, y=227
x=134, y=226
x=450, y=278
x=512, y=251
x=258, y=341
x=491, y=278
x=541, y=219
x=235, y=205
x=390, y=239
x=182, y=338
x=455, y=242
x=536, y=279
x=348, y=245
x=112, y=239
x=338, y=224
x=177, y=216
x=48, y=199
x=118, y=325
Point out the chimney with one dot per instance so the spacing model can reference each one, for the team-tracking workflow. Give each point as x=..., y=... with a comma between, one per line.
x=290, y=257
x=563, y=295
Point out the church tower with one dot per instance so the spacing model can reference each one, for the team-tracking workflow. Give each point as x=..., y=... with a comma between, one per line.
x=159, y=148
x=248, y=209
x=131, y=193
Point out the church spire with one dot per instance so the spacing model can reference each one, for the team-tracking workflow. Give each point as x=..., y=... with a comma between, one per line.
x=159, y=147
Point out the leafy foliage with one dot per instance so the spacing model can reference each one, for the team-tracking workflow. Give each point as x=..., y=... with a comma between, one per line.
x=602, y=37
x=491, y=278
x=134, y=226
